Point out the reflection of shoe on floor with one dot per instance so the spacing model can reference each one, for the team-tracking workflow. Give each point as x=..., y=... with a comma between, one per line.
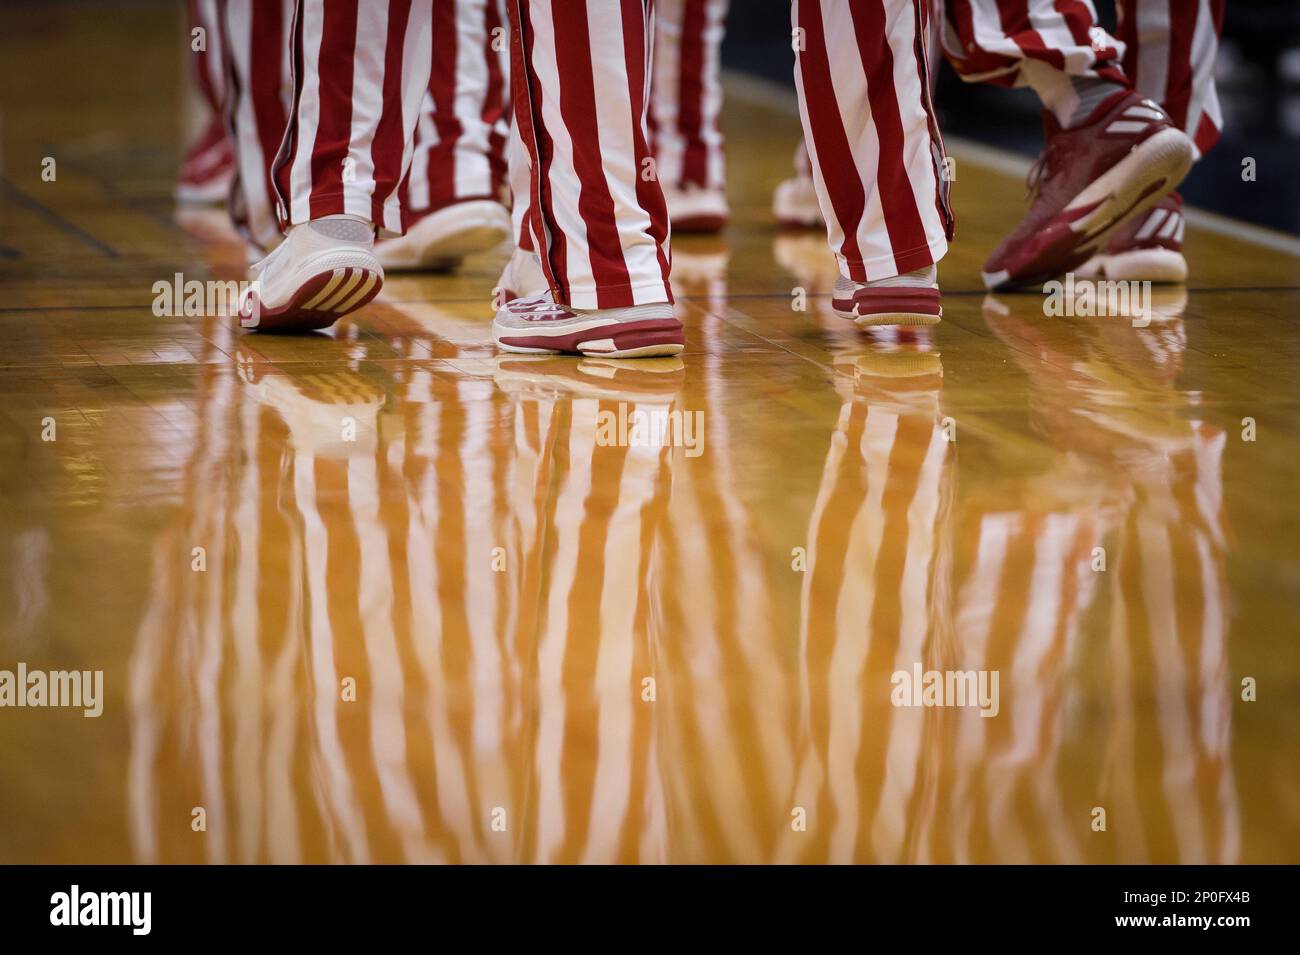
x=521, y=278
x=614, y=379
x=794, y=203
x=911, y=299
x=208, y=167
x=1146, y=248
x=329, y=413
x=696, y=209
x=700, y=260
x=903, y=380
x=441, y=239
x=1090, y=179
x=805, y=256
x=539, y=325
x=323, y=270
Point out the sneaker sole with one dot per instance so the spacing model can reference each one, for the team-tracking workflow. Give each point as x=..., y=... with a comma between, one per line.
x=894, y=306
x=1138, y=265
x=645, y=339
x=318, y=303
x=442, y=239
x=1151, y=170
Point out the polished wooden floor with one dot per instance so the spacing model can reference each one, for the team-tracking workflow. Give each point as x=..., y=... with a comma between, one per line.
x=438, y=615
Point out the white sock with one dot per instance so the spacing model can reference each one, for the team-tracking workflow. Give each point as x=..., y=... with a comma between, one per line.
x=926, y=277
x=345, y=228
x=634, y=313
x=1071, y=99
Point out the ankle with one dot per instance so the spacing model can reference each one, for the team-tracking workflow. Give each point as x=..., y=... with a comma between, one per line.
x=342, y=227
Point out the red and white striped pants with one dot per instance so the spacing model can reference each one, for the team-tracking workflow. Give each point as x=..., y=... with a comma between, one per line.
x=685, y=103
x=460, y=139
x=580, y=74
x=1166, y=48
x=458, y=150
x=872, y=139
x=686, y=97
x=208, y=76
x=259, y=92
x=360, y=73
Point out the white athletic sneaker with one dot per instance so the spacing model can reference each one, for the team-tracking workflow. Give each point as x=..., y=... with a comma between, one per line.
x=696, y=209
x=794, y=204
x=440, y=240
x=321, y=271
x=911, y=299
x=538, y=325
x=521, y=278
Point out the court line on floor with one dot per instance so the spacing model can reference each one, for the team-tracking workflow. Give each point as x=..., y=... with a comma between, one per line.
x=34, y=205
x=779, y=97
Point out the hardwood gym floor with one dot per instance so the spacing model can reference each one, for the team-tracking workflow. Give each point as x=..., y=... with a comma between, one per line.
x=385, y=595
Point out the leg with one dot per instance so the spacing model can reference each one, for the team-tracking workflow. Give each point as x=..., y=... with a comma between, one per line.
x=1057, y=49
x=359, y=73
x=204, y=175
x=864, y=96
x=451, y=199
x=1111, y=154
x=255, y=36
x=685, y=103
x=360, y=70
x=1170, y=49
x=595, y=209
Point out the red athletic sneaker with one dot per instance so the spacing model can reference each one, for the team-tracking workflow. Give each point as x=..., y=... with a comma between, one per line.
x=539, y=325
x=1089, y=181
x=1146, y=248
x=209, y=164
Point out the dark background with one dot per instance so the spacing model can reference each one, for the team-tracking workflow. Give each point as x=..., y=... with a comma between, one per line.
x=1259, y=90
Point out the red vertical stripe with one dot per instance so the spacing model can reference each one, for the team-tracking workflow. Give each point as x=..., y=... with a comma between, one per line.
x=527, y=91
x=690, y=94
x=830, y=143
x=577, y=94
x=893, y=184
x=494, y=102
x=388, y=146
x=649, y=194
x=442, y=89
x=266, y=66
x=334, y=124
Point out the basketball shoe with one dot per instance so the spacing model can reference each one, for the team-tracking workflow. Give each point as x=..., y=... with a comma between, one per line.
x=1146, y=248
x=441, y=239
x=1089, y=181
x=695, y=209
x=208, y=167
x=323, y=270
x=911, y=299
x=538, y=325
